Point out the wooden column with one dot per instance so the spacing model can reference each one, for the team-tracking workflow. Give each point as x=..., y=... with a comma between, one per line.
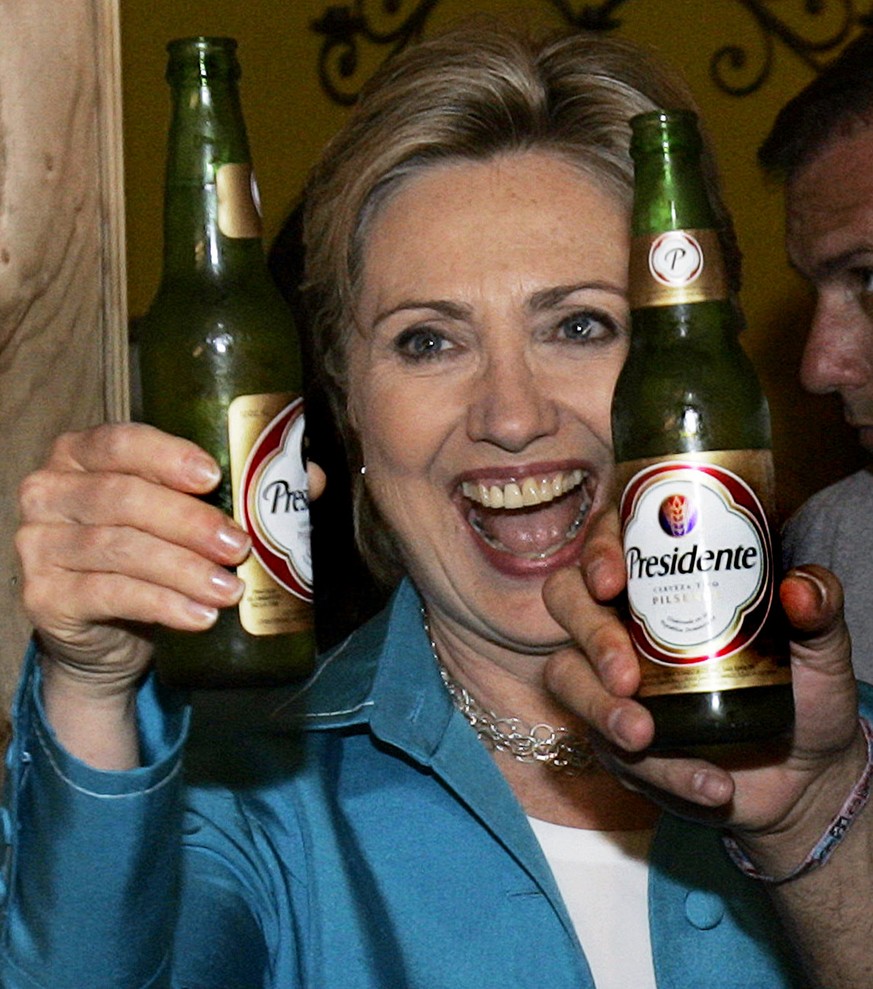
x=63, y=357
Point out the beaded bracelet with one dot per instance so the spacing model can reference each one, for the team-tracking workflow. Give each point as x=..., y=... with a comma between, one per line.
x=834, y=834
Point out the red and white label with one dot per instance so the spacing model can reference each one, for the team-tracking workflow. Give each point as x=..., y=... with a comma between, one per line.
x=275, y=502
x=699, y=562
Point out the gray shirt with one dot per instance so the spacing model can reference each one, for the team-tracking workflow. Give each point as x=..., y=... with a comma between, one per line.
x=835, y=528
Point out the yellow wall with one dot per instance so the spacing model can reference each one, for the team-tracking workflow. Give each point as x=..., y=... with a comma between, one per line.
x=289, y=117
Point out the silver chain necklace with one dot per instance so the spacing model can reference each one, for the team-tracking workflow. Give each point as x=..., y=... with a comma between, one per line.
x=559, y=749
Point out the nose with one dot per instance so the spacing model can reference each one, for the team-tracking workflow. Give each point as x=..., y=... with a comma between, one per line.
x=511, y=405
x=838, y=353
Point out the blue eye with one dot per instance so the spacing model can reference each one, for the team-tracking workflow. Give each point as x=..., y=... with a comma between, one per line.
x=586, y=327
x=420, y=344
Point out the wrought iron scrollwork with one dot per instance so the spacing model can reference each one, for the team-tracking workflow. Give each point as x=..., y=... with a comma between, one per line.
x=732, y=68
x=732, y=60
x=592, y=16
x=344, y=27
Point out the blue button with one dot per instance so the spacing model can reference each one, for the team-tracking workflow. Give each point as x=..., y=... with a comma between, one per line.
x=704, y=910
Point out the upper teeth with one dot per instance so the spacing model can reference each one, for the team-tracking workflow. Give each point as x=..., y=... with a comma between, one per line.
x=522, y=494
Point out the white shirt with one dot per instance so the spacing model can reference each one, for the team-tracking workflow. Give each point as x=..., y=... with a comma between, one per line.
x=603, y=877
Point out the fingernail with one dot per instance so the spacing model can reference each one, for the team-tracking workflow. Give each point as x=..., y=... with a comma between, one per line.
x=712, y=787
x=620, y=723
x=233, y=538
x=593, y=568
x=810, y=578
x=204, y=616
x=226, y=583
x=202, y=469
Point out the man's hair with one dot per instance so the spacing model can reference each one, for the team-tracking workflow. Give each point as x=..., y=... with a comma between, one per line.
x=834, y=104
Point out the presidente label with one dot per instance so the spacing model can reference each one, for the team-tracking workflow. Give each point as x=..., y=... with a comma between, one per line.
x=271, y=502
x=699, y=562
x=675, y=267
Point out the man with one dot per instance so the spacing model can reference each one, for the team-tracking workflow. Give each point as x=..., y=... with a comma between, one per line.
x=821, y=146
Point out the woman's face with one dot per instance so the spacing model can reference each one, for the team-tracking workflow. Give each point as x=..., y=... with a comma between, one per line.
x=493, y=323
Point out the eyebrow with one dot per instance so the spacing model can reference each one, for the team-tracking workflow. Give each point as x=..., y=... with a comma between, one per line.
x=540, y=301
x=856, y=257
x=548, y=298
x=452, y=310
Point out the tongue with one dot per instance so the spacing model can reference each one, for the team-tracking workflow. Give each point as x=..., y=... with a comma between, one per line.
x=530, y=530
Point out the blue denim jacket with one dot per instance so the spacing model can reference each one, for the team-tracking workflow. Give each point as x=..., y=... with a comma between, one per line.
x=351, y=835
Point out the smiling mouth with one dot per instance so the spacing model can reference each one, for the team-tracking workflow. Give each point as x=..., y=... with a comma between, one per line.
x=533, y=517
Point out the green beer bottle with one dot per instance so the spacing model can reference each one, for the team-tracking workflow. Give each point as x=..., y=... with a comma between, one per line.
x=691, y=430
x=220, y=365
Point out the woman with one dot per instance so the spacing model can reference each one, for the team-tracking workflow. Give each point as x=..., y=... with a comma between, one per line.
x=467, y=254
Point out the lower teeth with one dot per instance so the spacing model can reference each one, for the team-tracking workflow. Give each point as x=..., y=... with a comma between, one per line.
x=569, y=535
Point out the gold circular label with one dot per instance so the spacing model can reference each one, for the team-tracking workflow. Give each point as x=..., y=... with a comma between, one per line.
x=676, y=267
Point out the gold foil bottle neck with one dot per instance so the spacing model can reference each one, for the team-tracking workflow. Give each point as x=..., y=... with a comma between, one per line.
x=676, y=267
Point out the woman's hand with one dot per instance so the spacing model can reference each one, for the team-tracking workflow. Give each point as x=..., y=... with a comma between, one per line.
x=778, y=798
x=113, y=539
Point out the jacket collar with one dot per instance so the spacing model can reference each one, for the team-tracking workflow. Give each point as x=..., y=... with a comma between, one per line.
x=385, y=676
x=347, y=686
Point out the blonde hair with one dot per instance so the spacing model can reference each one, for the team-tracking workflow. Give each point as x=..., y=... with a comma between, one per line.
x=469, y=94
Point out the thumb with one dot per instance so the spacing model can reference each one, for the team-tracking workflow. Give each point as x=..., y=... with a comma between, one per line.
x=821, y=656
x=812, y=599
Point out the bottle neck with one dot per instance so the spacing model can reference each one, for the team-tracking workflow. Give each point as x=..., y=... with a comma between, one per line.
x=212, y=225
x=676, y=256
x=670, y=193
